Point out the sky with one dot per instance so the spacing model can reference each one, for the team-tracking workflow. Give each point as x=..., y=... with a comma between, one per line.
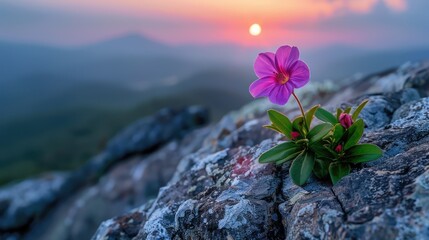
x=310, y=23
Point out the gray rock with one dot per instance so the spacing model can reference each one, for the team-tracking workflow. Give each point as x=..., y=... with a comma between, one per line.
x=220, y=191
x=381, y=107
x=123, y=228
x=124, y=187
x=77, y=205
x=419, y=79
x=209, y=184
x=388, y=81
x=26, y=201
x=412, y=114
x=142, y=137
x=383, y=204
x=155, y=130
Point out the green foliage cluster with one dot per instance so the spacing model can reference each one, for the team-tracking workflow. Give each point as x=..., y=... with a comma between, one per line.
x=327, y=149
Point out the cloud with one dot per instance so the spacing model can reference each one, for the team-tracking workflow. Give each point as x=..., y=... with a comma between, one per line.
x=383, y=26
x=313, y=22
x=363, y=6
x=396, y=5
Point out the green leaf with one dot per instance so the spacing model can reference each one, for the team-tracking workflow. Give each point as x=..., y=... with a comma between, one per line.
x=363, y=153
x=303, y=141
x=321, y=168
x=322, y=151
x=298, y=124
x=339, y=111
x=281, y=122
x=278, y=152
x=338, y=170
x=309, y=115
x=272, y=127
x=338, y=132
x=354, y=133
x=319, y=131
x=326, y=116
x=302, y=167
x=332, y=151
x=359, y=109
x=290, y=156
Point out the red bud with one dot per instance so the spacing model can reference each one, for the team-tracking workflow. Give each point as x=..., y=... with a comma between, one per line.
x=346, y=120
x=339, y=148
x=294, y=135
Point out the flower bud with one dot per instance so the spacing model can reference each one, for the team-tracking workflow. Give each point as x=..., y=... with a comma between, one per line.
x=294, y=135
x=346, y=120
x=339, y=148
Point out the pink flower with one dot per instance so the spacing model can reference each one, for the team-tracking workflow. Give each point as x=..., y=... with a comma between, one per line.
x=339, y=148
x=279, y=74
x=346, y=120
x=294, y=135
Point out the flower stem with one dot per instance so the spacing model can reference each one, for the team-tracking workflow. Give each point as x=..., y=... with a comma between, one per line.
x=300, y=107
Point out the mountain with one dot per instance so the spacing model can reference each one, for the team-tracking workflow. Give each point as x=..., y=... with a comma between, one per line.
x=131, y=44
x=30, y=69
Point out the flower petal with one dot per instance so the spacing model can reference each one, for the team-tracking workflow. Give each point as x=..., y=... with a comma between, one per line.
x=262, y=87
x=285, y=57
x=299, y=74
x=265, y=64
x=280, y=94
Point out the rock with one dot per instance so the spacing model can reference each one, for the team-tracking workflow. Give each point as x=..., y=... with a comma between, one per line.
x=382, y=204
x=124, y=187
x=380, y=109
x=388, y=81
x=220, y=191
x=160, y=179
x=412, y=114
x=142, y=137
x=150, y=132
x=419, y=79
x=26, y=201
x=204, y=212
x=124, y=227
x=77, y=205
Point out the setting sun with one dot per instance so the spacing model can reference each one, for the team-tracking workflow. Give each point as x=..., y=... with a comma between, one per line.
x=255, y=29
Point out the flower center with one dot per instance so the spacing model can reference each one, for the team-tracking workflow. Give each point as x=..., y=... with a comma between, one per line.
x=282, y=78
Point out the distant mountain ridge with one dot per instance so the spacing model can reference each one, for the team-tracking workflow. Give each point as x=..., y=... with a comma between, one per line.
x=128, y=44
x=135, y=60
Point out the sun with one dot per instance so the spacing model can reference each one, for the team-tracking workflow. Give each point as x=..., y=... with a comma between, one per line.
x=255, y=29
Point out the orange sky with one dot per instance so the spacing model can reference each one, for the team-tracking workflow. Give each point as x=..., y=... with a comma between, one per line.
x=203, y=21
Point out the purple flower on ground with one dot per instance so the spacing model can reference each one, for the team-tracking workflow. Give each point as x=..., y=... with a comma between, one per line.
x=279, y=74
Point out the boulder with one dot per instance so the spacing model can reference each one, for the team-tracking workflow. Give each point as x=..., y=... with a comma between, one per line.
x=221, y=191
x=24, y=202
x=72, y=205
x=162, y=127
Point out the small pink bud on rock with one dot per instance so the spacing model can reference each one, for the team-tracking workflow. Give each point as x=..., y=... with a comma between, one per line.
x=294, y=135
x=338, y=148
x=346, y=120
